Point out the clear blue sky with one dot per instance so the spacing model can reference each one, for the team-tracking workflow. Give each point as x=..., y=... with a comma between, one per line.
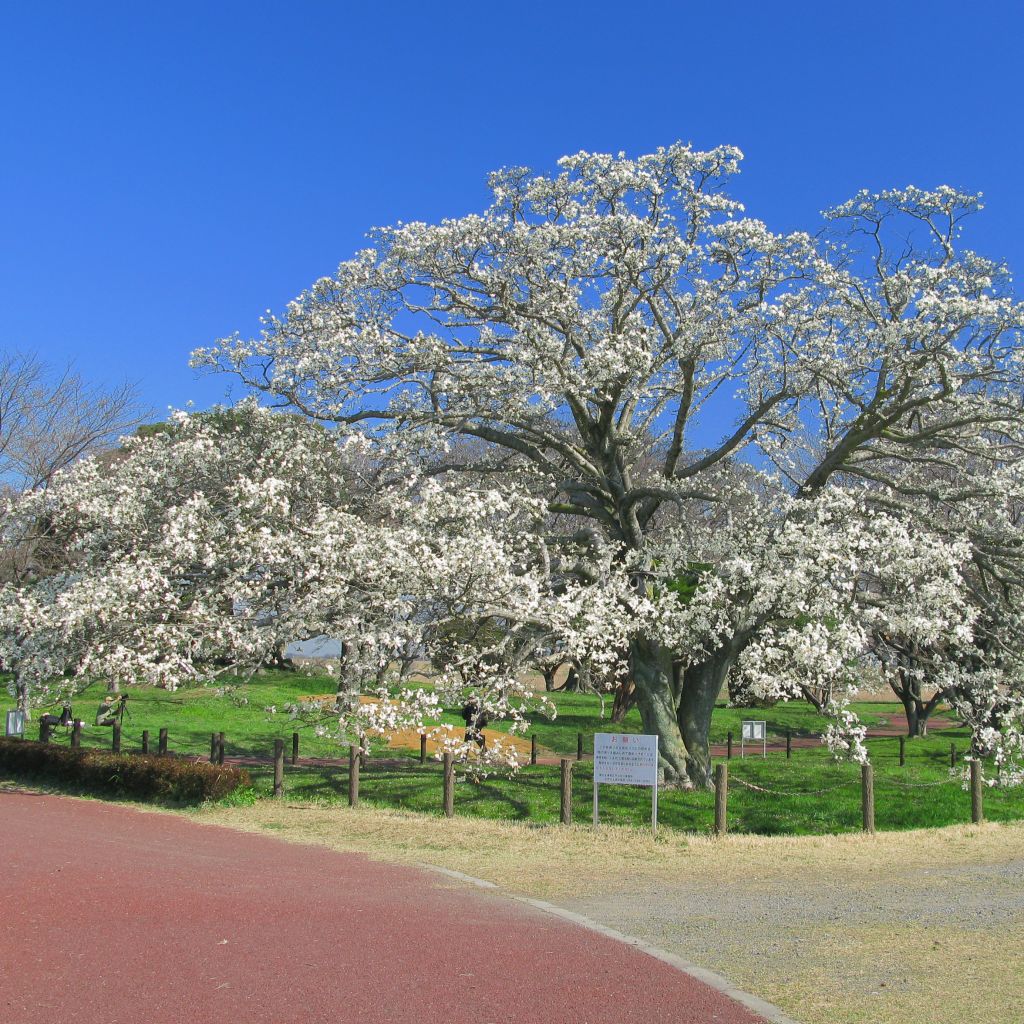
x=168, y=171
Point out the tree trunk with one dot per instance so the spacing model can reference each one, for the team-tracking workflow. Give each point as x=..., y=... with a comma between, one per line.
x=813, y=699
x=700, y=686
x=574, y=681
x=549, y=672
x=21, y=697
x=347, y=694
x=625, y=699
x=914, y=722
x=657, y=699
x=910, y=692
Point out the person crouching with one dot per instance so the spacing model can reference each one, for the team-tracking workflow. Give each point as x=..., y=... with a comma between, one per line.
x=476, y=721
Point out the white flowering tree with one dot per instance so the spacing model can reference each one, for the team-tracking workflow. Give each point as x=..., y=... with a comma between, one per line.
x=976, y=501
x=206, y=546
x=177, y=551
x=595, y=328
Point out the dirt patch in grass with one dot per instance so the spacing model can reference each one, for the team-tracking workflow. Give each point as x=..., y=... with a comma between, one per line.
x=409, y=739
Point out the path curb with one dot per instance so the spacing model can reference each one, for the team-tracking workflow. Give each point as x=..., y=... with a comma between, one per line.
x=710, y=978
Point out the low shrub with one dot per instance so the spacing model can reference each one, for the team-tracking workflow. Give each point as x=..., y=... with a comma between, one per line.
x=145, y=777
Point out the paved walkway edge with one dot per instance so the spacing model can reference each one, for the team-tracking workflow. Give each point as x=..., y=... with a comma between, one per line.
x=716, y=981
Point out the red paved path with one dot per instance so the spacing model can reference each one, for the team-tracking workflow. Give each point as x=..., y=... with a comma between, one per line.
x=112, y=916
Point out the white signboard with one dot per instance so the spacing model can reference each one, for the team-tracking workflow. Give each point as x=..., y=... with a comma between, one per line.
x=15, y=723
x=755, y=731
x=626, y=760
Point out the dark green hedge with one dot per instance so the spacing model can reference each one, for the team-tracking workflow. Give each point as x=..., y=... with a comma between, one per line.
x=135, y=775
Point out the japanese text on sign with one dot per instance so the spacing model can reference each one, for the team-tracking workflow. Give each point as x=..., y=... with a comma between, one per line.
x=625, y=759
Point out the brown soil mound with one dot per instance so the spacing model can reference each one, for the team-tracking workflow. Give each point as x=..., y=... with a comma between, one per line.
x=409, y=739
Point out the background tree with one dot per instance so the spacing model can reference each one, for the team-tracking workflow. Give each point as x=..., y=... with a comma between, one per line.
x=48, y=421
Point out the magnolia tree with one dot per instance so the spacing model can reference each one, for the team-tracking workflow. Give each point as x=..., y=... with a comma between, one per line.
x=172, y=550
x=976, y=502
x=206, y=546
x=590, y=328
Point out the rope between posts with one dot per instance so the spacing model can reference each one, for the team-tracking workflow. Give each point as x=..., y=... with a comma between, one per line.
x=913, y=785
x=793, y=792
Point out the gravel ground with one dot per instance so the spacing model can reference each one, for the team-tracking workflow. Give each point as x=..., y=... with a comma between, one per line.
x=968, y=894
x=873, y=944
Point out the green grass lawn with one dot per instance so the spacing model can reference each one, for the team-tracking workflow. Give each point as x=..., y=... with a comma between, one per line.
x=795, y=808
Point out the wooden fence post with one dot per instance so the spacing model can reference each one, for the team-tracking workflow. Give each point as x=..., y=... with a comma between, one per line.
x=903, y=751
x=220, y=748
x=867, y=797
x=423, y=748
x=579, y=746
x=789, y=744
x=278, y=767
x=76, y=734
x=161, y=748
x=533, y=749
x=566, y=791
x=115, y=738
x=145, y=741
x=977, y=809
x=353, y=775
x=44, y=732
x=952, y=755
x=728, y=745
x=449, y=785
x=213, y=748
x=721, y=799
x=295, y=749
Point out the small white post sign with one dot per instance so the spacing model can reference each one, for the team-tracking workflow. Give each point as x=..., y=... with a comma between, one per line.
x=755, y=731
x=627, y=760
x=15, y=723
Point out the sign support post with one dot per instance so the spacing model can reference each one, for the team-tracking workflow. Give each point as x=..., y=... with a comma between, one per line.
x=654, y=794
